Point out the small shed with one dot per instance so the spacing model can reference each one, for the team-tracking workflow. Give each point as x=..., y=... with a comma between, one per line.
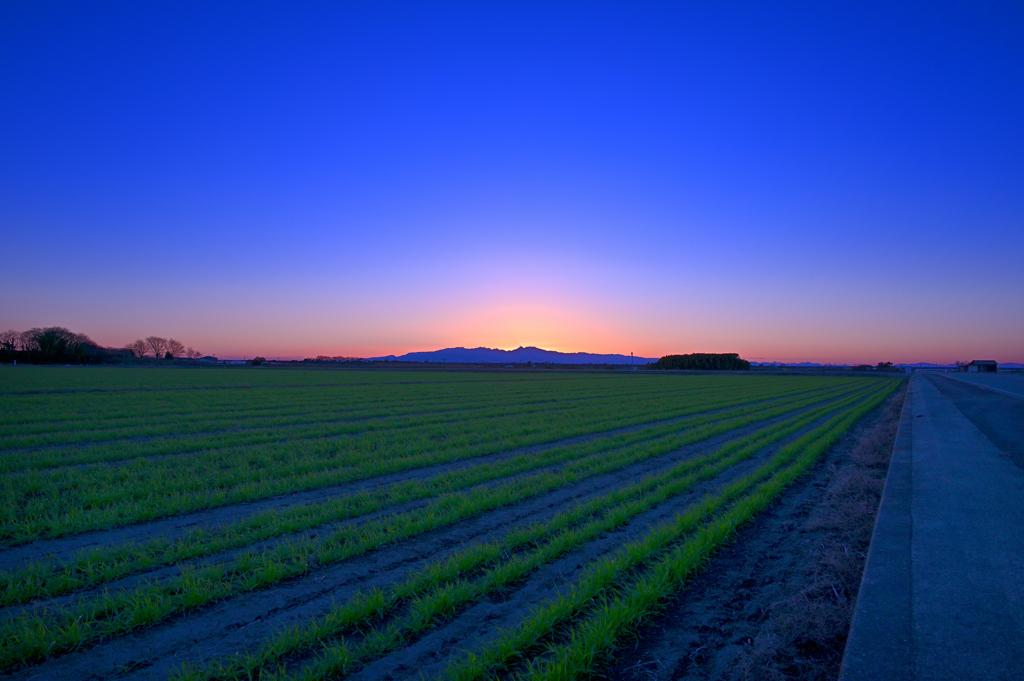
x=984, y=366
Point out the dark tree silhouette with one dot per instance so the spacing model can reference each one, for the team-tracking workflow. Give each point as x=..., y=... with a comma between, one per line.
x=139, y=348
x=28, y=341
x=157, y=345
x=175, y=348
x=10, y=340
x=55, y=344
x=699, y=360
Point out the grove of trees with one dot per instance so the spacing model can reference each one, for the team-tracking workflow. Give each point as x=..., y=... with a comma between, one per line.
x=167, y=348
x=58, y=345
x=727, y=361
x=50, y=345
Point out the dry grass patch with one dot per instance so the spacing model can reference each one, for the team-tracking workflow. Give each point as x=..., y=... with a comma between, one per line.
x=803, y=636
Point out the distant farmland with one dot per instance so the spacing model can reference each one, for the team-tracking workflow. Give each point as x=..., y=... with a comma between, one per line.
x=246, y=523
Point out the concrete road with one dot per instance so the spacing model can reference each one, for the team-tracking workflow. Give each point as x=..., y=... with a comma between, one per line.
x=999, y=416
x=943, y=590
x=1006, y=383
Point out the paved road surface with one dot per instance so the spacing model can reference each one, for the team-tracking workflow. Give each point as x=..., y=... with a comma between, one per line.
x=943, y=590
x=998, y=416
x=1008, y=383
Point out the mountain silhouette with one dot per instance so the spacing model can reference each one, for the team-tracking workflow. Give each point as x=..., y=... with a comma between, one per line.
x=520, y=355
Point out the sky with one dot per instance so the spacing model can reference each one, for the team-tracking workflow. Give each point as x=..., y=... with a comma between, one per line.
x=831, y=182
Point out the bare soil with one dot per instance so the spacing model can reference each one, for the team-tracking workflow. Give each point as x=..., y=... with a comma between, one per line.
x=49, y=551
x=774, y=604
x=778, y=601
x=242, y=622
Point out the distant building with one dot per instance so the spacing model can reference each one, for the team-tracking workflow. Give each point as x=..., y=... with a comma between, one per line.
x=209, y=358
x=984, y=366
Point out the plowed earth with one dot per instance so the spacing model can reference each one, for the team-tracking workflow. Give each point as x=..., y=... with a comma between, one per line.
x=719, y=626
x=777, y=603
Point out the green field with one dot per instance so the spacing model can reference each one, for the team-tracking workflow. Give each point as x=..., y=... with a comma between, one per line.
x=239, y=523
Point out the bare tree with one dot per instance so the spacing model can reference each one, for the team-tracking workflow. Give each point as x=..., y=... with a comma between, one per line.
x=192, y=353
x=175, y=347
x=9, y=340
x=27, y=339
x=139, y=348
x=158, y=345
x=82, y=339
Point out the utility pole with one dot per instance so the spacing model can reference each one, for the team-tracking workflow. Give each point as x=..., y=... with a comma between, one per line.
x=630, y=361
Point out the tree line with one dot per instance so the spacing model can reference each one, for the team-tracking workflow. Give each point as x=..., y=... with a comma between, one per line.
x=58, y=345
x=168, y=348
x=707, y=361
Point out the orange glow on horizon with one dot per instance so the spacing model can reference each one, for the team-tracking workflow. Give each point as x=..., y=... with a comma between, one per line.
x=511, y=326
x=567, y=325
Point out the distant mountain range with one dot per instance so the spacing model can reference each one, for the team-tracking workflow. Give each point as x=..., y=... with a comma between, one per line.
x=523, y=355
x=520, y=355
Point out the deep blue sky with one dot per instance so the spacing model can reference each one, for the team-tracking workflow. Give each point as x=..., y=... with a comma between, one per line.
x=832, y=183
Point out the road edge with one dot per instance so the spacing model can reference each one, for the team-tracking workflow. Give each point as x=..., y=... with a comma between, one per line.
x=879, y=645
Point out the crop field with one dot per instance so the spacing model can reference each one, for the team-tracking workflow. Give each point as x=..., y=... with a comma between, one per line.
x=261, y=523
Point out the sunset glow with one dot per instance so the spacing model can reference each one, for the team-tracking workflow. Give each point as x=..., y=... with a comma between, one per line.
x=799, y=184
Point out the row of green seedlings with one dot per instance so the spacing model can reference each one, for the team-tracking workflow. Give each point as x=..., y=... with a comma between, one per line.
x=129, y=409
x=281, y=411
x=95, y=567
x=48, y=633
x=54, y=503
x=422, y=431
x=212, y=415
x=569, y=637
x=143, y=380
x=25, y=394
x=51, y=494
x=244, y=431
x=130, y=494
x=34, y=413
x=110, y=379
x=385, y=422
x=442, y=589
x=381, y=421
